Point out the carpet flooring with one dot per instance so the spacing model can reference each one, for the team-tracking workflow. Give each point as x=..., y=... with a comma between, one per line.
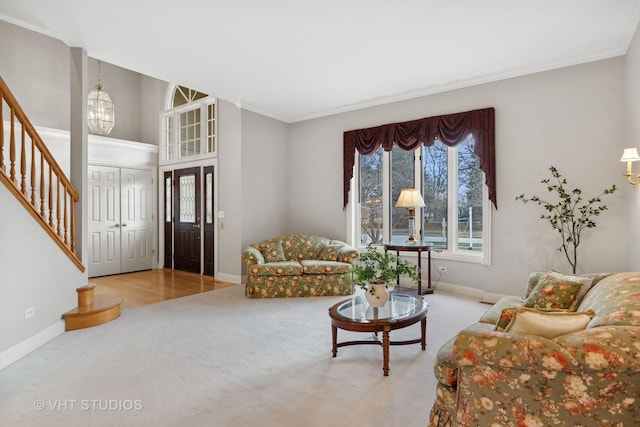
x=220, y=359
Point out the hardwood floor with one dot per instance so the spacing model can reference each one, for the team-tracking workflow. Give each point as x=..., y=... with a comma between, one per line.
x=151, y=286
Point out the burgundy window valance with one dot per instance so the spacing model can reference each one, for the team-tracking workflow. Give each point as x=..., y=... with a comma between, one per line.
x=450, y=129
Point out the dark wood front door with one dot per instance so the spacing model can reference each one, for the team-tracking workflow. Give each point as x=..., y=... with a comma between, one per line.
x=187, y=221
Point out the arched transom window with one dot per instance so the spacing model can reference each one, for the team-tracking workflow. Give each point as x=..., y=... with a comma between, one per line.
x=188, y=125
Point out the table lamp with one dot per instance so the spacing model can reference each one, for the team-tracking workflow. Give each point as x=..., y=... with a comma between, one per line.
x=410, y=198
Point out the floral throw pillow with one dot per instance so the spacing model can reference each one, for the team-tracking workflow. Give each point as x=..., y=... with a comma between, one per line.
x=533, y=280
x=505, y=318
x=552, y=292
x=329, y=253
x=273, y=252
x=585, y=285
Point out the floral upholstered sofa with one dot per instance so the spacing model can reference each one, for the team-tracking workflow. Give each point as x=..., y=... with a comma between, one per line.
x=524, y=364
x=298, y=265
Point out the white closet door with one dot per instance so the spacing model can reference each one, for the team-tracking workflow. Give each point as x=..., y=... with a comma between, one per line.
x=120, y=220
x=136, y=220
x=104, y=221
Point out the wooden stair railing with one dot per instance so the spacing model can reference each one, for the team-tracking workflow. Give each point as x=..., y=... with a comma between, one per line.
x=35, y=178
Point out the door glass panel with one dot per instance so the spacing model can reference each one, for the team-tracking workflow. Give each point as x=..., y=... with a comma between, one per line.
x=208, y=216
x=188, y=198
x=167, y=199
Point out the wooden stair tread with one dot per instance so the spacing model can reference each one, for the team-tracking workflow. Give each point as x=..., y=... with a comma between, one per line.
x=103, y=309
x=101, y=303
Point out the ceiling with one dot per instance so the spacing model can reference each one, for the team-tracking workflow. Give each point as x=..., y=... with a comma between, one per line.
x=299, y=59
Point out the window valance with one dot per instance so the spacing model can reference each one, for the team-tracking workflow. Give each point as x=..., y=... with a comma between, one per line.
x=450, y=129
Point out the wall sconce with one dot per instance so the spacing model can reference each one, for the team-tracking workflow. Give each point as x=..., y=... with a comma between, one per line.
x=631, y=155
x=410, y=198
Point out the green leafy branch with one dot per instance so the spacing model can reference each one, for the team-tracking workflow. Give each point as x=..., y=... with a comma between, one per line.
x=374, y=266
x=571, y=214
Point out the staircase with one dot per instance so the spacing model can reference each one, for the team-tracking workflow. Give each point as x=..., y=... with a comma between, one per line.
x=30, y=172
x=92, y=310
x=33, y=176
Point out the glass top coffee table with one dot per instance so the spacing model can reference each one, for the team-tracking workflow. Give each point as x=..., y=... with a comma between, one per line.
x=356, y=315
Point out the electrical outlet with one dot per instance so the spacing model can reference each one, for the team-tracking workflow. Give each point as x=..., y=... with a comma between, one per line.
x=442, y=269
x=29, y=312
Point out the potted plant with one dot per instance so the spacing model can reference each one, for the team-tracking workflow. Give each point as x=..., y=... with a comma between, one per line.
x=570, y=214
x=374, y=270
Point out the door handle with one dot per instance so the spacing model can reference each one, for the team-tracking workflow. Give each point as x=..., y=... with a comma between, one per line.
x=196, y=225
x=117, y=225
x=124, y=225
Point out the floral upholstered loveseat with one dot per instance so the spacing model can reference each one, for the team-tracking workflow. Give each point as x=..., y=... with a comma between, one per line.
x=298, y=265
x=501, y=371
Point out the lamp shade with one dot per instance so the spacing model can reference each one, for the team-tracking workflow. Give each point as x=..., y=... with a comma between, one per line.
x=410, y=198
x=630, y=155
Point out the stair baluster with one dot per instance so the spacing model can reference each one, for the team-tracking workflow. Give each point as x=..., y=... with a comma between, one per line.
x=37, y=195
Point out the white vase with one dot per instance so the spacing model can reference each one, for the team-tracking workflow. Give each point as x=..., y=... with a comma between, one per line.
x=379, y=296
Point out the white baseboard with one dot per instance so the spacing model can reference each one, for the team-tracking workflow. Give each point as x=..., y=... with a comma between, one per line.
x=18, y=351
x=231, y=278
x=479, y=294
x=491, y=298
x=457, y=289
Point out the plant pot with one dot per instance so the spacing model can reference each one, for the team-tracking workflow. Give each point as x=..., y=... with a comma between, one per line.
x=379, y=296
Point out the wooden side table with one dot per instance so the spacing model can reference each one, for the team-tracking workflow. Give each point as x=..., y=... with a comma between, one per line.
x=418, y=247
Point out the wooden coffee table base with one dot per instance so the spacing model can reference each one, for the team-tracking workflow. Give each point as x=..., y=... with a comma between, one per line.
x=375, y=328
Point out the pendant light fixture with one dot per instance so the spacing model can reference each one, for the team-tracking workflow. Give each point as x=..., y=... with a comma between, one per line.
x=100, y=109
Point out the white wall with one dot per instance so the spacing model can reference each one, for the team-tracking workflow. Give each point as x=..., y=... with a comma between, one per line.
x=571, y=118
x=315, y=173
x=265, y=164
x=36, y=69
x=138, y=100
x=632, y=139
x=229, y=189
x=27, y=281
x=152, y=96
